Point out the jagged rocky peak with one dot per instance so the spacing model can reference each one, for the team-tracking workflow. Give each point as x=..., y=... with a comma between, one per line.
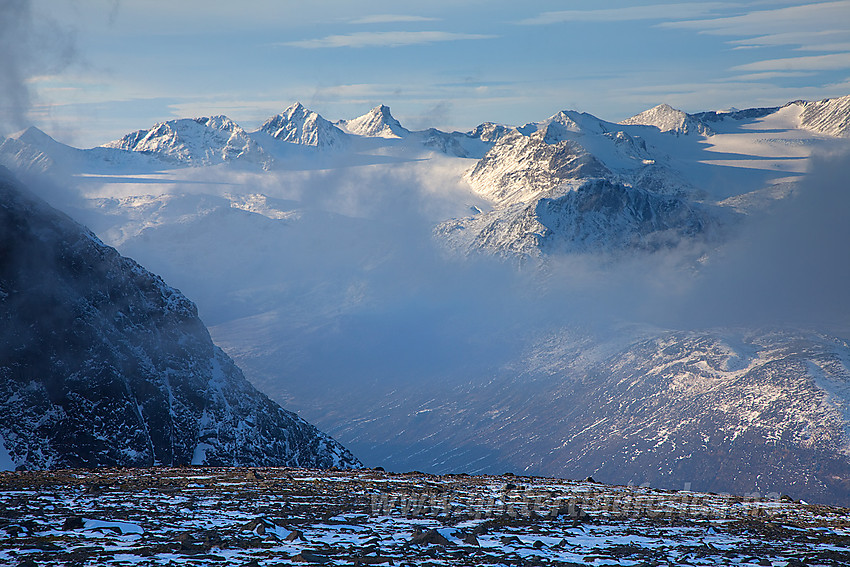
x=575, y=121
x=521, y=168
x=597, y=216
x=377, y=123
x=490, y=132
x=300, y=125
x=103, y=364
x=830, y=116
x=558, y=128
x=566, y=124
x=194, y=142
x=668, y=119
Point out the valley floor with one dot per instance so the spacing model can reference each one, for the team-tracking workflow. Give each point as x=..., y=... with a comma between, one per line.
x=217, y=516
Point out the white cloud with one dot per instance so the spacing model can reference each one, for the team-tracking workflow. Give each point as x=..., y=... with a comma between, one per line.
x=383, y=39
x=770, y=75
x=791, y=23
x=843, y=46
x=390, y=19
x=830, y=62
x=652, y=12
x=792, y=38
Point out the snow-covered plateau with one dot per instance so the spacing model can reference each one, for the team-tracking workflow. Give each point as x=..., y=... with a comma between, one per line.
x=658, y=300
x=265, y=517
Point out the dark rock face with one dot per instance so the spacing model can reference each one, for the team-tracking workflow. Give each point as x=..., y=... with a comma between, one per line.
x=102, y=363
x=600, y=216
x=612, y=215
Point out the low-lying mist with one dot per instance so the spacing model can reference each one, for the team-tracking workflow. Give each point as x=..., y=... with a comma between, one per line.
x=353, y=285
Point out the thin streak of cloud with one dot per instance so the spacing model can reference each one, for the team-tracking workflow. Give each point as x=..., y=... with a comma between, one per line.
x=391, y=19
x=652, y=12
x=768, y=75
x=830, y=62
x=844, y=46
x=803, y=38
x=383, y=39
x=812, y=17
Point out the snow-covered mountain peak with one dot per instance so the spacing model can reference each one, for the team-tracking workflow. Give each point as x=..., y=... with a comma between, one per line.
x=565, y=125
x=490, y=132
x=33, y=136
x=377, y=123
x=32, y=145
x=297, y=111
x=558, y=128
x=829, y=116
x=579, y=121
x=300, y=125
x=668, y=119
x=521, y=168
x=194, y=141
x=220, y=122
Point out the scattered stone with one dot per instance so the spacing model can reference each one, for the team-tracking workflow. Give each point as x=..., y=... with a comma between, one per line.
x=468, y=538
x=310, y=557
x=430, y=537
x=191, y=544
x=73, y=523
x=377, y=560
x=331, y=512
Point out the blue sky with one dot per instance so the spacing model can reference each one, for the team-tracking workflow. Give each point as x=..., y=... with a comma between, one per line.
x=93, y=70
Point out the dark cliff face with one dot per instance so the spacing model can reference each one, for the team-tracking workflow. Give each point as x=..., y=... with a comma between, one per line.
x=102, y=363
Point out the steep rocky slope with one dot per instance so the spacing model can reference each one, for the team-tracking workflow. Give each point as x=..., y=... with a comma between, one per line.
x=597, y=216
x=102, y=363
x=721, y=410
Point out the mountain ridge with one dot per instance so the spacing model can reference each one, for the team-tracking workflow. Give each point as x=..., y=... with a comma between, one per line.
x=102, y=363
x=569, y=229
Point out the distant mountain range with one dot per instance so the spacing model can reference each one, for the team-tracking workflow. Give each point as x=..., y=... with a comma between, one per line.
x=559, y=160
x=405, y=290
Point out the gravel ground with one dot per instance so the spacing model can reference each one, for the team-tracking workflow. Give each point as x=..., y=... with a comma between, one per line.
x=252, y=517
